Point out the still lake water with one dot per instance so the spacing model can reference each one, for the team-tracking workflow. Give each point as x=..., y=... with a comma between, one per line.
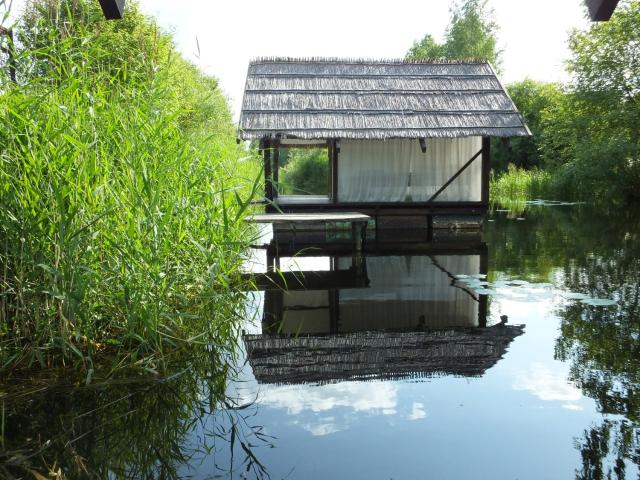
x=462, y=358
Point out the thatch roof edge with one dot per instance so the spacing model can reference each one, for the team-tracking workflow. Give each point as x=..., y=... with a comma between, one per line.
x=364, y=61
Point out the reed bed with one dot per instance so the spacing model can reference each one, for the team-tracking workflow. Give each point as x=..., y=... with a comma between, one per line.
x=123, y=194
x=519, y=185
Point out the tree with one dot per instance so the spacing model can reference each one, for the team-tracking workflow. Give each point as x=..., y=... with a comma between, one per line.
x=471, y=34
x=532, y=98
x=426, y=48
x=591, y=137
x=606, y=70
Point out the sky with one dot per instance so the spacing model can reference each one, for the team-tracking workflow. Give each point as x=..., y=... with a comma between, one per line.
x=221, y=37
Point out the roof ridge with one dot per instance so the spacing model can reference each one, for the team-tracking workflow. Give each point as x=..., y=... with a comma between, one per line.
x=363, y=60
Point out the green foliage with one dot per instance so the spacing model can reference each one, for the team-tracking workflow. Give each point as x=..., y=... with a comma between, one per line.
x=588, y=134
x=121, y=222
x=531, y=98
x=519, y=185
x=471, y=33
x=605, y=103
x=426, y=48
x=601, y=118
x=605, y=57
x=306, y=172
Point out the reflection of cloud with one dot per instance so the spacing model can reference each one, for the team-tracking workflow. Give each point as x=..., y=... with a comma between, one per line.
x=571, y=406
x=325, y=427
x=417, y=411
x=546, y=385
x=360, y=396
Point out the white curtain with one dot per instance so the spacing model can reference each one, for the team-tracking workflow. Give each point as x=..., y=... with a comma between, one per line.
x=408, y=292
x=306, y=312
x=373, y=170
x=398, y=171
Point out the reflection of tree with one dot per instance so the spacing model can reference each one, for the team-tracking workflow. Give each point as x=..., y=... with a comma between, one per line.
x=597, y=254
x=133, y=429
x=618, y=438
x=603, y=346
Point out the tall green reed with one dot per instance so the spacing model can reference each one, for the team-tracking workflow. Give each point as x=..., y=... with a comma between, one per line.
x=519, y=185
x=121, y=222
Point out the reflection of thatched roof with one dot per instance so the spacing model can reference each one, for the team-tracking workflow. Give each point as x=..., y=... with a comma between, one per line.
x=465, y=352
x=375, y=99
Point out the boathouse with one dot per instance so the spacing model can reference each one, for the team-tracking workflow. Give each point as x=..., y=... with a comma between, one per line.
x=400, y=139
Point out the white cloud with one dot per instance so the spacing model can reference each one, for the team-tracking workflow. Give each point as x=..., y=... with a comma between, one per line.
x=324, y=427
x=547, y=385
x=417, y=411
x=372, y=397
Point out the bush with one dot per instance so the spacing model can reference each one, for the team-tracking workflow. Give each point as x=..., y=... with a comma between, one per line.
x=305, y=173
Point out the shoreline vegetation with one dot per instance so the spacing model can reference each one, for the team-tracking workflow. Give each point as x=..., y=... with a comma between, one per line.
x=123, y=196
x=586, y=143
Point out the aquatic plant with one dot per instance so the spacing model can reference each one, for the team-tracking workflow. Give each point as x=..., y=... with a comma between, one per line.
x=519, y=185
x=123, y=195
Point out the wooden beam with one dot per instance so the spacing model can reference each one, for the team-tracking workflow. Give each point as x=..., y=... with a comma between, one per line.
x=486, y=168
x=601, y=10
x=112, y=9
x=301, y=143
x=456, y=175
x=309, y=280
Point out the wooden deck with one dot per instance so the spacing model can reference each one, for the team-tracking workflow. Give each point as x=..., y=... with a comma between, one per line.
x=358, y=226
x=321, y=217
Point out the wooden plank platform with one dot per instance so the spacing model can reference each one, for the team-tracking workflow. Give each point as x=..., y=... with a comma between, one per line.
x=308, y=280
x=358, y=226
x=321, y=217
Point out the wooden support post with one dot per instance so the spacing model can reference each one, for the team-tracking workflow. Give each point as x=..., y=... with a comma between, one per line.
x=486, y=168
x=268, y=177
x=112, y=9
x=273, y=309
x=333, y=151
x=358, y=232
x=601, y=10
x=334, y=310
x=482, y=299
x=270, y=260
x=276, y=168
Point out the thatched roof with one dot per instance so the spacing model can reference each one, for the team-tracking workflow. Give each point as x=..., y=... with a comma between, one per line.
x=467, y=352
x=375, y=99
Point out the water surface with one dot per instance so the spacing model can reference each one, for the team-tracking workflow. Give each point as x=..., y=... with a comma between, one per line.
x=461, y=358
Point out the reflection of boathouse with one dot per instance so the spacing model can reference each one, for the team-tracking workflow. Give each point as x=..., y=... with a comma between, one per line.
x=407, y=318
